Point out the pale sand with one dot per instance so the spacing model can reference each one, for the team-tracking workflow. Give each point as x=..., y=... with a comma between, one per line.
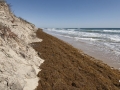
x=31, y=84
x=19, y=63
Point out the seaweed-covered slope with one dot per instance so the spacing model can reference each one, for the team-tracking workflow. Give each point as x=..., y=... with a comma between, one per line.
x=66, y=68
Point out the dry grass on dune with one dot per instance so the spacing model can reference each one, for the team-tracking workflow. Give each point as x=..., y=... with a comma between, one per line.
x=66, y=68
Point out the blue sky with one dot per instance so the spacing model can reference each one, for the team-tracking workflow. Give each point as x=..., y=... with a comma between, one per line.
x=69, y=13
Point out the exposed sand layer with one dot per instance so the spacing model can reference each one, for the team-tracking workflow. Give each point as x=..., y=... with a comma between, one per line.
x=66, y=68
x=19, y=63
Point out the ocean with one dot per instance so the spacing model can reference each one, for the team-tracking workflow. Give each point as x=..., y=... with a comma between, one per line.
x=101, y=43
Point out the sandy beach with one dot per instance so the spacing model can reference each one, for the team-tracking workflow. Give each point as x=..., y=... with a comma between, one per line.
x=78, y=47
x=101, y=52
x=67, y=68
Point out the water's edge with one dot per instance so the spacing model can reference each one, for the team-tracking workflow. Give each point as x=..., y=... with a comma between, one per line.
x=92, y=50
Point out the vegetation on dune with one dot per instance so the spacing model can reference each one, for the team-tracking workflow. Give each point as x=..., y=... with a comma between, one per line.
x=24, y=20
x=2, y=0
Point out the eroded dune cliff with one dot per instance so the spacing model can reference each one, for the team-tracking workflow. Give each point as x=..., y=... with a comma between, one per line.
x=19, y=63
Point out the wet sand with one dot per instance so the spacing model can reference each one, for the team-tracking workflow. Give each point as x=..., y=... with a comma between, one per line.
x=67, y=68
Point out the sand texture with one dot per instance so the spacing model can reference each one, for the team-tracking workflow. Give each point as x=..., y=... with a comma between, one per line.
x=66, y=68
x=19, y=62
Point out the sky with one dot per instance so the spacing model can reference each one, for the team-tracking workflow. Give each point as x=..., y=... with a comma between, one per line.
x=69, y=13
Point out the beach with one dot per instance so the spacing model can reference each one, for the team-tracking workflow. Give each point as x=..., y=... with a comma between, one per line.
x=68, y=68
x=101, y=43
x=61, y=55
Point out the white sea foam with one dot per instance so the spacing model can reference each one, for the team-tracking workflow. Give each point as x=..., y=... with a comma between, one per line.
x=96, y=35
x=68, y=36
x=115, y=38
x=116, y=31
x=83, y=34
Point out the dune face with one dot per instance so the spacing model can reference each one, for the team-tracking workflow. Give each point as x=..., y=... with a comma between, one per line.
x=66, y=68
x=19, y=63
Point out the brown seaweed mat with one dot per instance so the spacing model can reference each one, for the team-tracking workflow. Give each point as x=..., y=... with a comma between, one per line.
x=66, y=68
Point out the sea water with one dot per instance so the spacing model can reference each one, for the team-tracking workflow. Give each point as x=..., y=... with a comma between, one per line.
x=101, y=43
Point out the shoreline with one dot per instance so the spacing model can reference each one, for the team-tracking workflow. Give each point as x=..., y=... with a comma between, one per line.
x=105, y=56
x=65, y=67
